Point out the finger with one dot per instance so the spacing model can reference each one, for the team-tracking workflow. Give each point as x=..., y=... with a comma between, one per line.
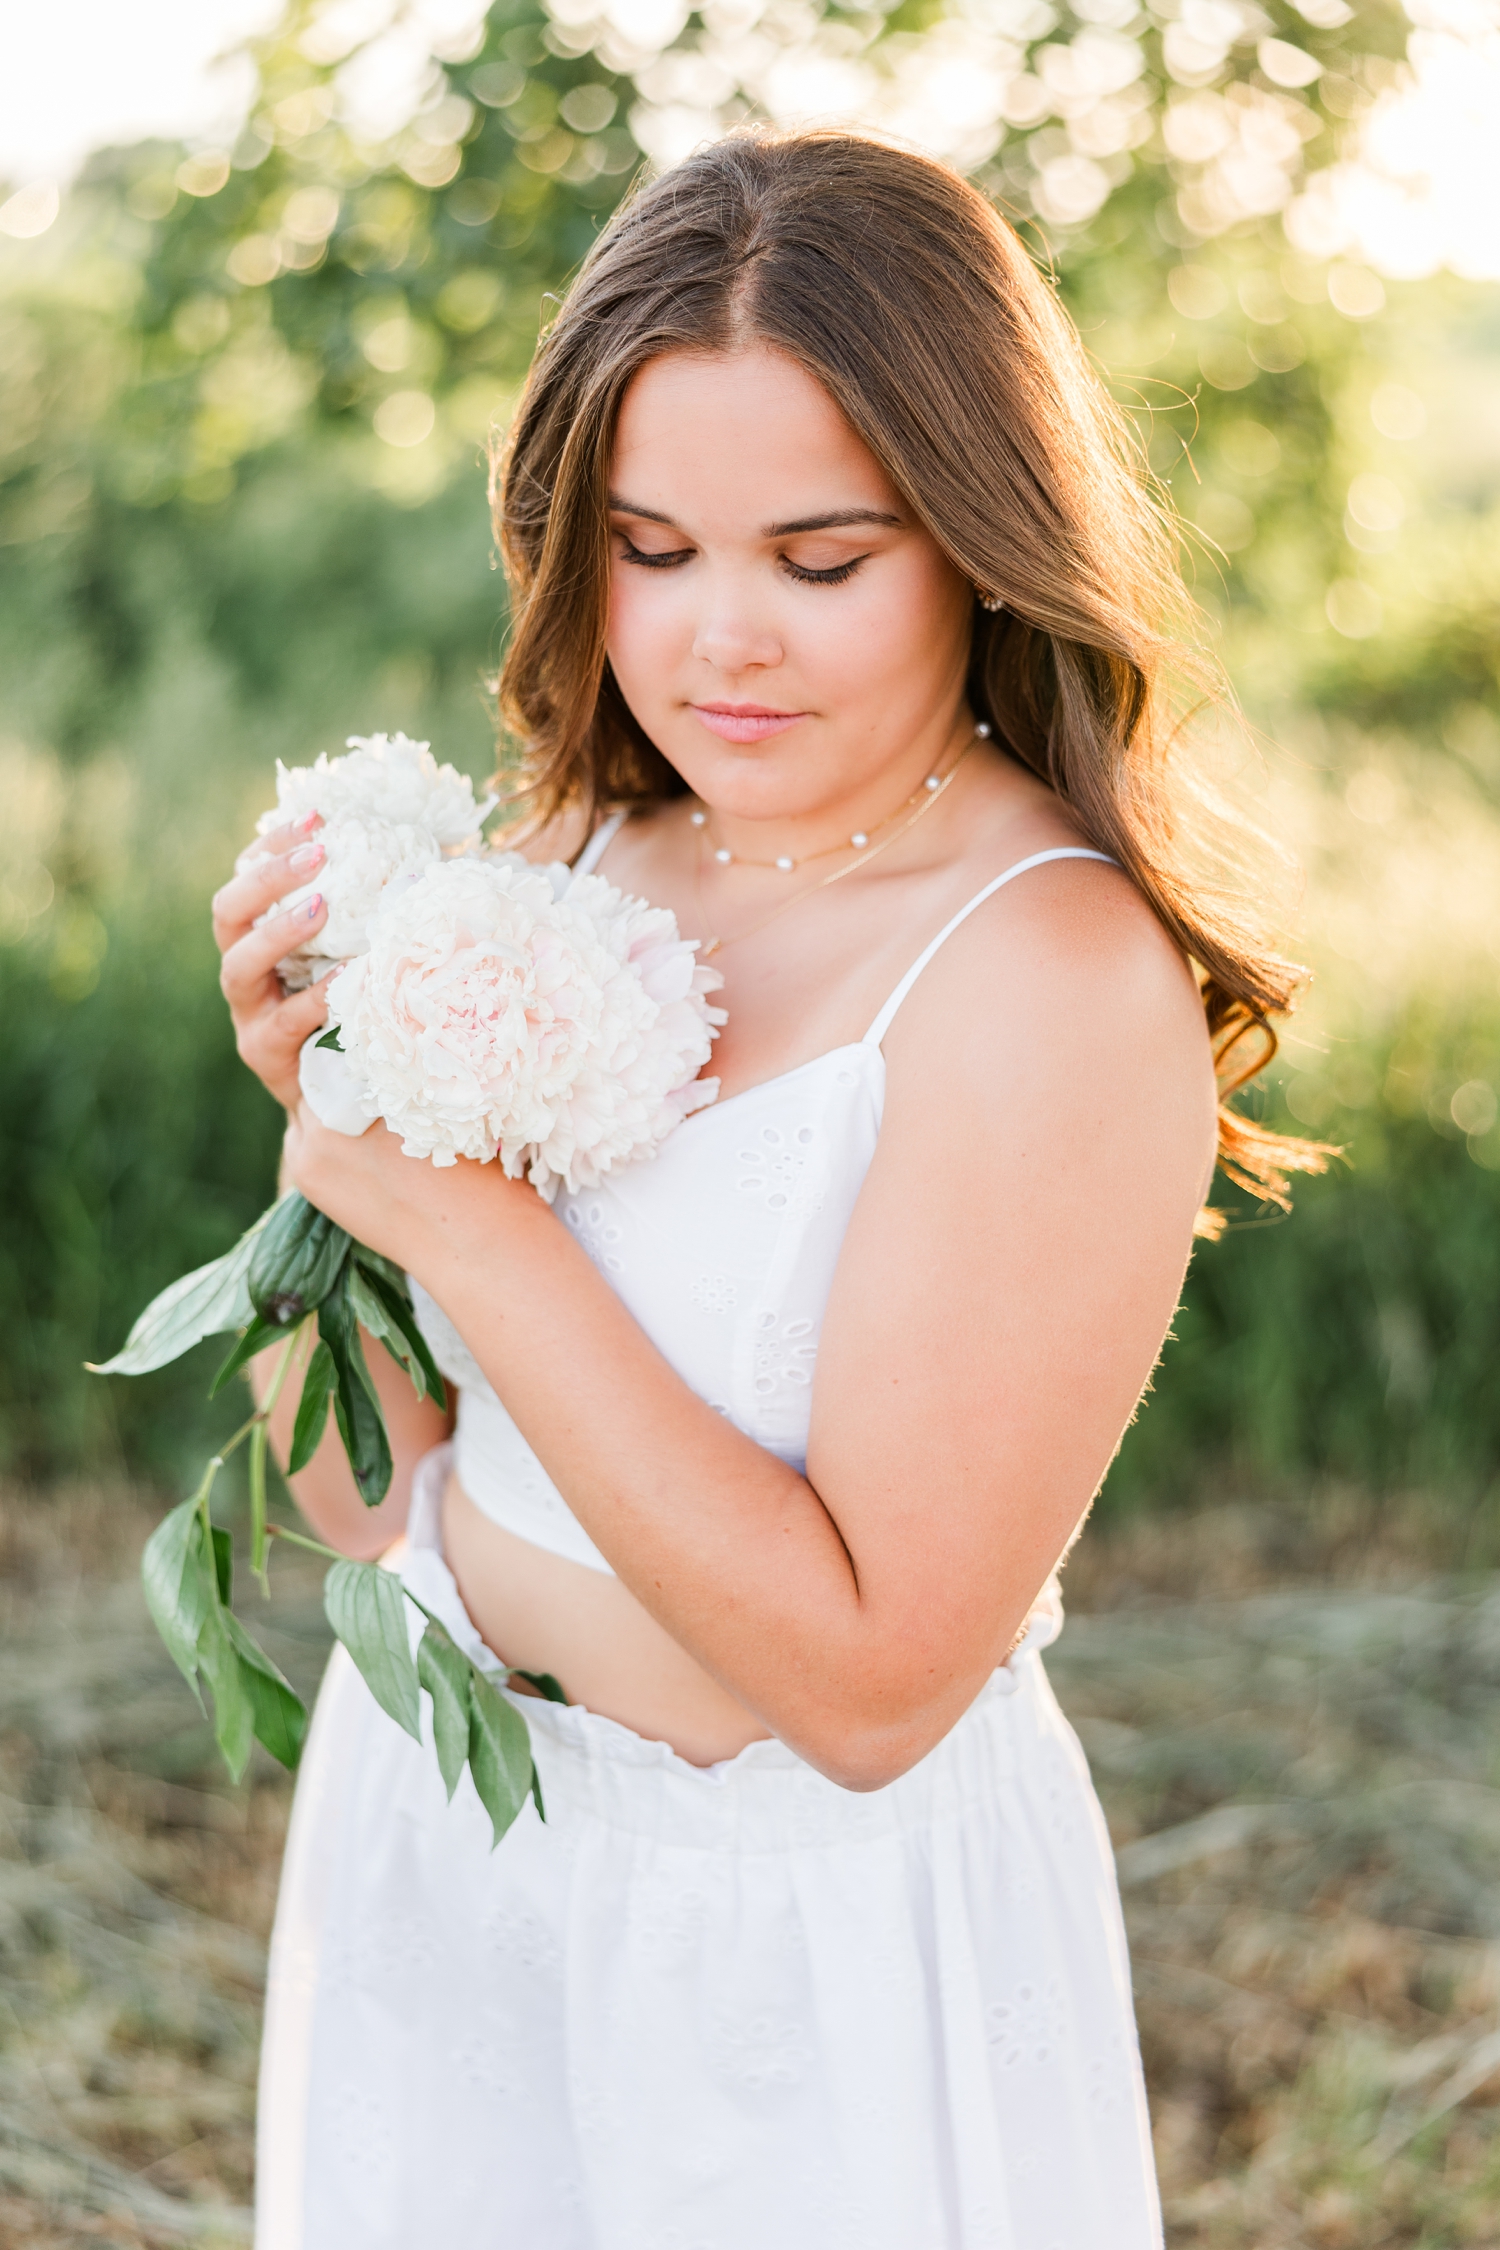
x=283, y=838
x=247, y=973
x=255, y=889
x=270, y=1039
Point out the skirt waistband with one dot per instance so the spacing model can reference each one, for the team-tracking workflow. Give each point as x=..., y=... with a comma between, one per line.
x=766, y=1797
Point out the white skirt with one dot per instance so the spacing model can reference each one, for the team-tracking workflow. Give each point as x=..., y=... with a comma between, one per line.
x=732, y=2008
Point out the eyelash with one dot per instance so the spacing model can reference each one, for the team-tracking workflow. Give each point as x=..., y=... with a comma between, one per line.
x=838, y=576
x=835, y=577
x=655, y=562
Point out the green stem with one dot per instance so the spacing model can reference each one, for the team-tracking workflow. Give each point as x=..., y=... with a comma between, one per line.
x=256, y=1465
x=200, y=1498
x=259, y=1439
x=238, y=1439
x=299, y=1539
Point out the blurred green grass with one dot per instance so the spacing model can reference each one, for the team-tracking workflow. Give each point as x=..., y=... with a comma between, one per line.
x=210, y=558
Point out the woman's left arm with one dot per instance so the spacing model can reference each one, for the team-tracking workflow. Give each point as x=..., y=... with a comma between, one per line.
x=1006, y=1283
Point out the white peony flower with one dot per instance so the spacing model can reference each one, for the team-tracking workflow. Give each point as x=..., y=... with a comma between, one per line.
x=385, y=777
x=334, y=1095
x=364, y=857
x=389, y=811
x=639, y=1079
x=520, y=1013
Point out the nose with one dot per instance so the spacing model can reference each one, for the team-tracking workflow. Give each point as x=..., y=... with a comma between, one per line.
x=731, y=636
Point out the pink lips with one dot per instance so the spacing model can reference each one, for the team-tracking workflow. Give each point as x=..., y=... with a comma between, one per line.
x=745, y=722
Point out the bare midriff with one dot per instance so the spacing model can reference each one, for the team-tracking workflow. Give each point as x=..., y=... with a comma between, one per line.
x=542, y=1613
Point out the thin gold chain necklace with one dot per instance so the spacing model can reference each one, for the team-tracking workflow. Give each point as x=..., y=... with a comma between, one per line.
x=923, y=799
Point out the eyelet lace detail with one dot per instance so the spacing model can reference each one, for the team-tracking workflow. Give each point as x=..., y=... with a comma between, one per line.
x=715, y=1292
x=780, y=1169
x=761, y=2051
x=785, y=1352
x=1028, y=2028
x=597, y=1233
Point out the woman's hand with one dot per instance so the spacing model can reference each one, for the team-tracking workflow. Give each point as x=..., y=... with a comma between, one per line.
x=270, y=1025
x=389, y=1201
x=405, y=1207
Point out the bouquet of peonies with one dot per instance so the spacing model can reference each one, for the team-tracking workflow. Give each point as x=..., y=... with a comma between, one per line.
x=485, y=1008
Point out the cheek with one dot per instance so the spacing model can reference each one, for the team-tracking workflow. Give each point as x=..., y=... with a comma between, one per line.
x=905, y=634
x=649, y=626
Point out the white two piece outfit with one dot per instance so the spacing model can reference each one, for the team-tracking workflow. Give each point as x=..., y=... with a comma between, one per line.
x=722, y=2008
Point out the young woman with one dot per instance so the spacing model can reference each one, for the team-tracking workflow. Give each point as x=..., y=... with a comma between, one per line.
x=839, y=629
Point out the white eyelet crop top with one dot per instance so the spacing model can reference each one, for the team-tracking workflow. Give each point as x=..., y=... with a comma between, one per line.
x=723, y=1246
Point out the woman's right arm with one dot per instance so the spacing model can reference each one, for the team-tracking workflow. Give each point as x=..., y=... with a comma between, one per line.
x=271, y=1026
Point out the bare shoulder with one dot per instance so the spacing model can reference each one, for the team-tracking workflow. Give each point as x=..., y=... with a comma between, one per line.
x=1078, y=936
x=1061, y=990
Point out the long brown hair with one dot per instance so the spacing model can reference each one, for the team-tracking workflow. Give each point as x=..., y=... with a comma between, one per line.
x=902, y=291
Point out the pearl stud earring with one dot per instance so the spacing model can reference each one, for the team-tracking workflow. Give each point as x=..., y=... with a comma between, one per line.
x=991, y=602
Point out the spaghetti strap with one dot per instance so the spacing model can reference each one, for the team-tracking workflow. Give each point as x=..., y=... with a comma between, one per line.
x=882, y=1023
x=598, y=844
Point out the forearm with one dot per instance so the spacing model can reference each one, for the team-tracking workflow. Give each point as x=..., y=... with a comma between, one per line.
x=731, y=1550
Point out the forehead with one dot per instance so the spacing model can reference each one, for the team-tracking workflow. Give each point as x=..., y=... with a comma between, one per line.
x=745, y=435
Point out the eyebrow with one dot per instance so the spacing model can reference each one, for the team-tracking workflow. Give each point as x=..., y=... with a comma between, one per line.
x=833, y=520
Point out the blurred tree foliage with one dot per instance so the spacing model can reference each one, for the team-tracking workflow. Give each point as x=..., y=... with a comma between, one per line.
x=244, y=399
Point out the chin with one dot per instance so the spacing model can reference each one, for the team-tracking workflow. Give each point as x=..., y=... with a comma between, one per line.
x=768, y=780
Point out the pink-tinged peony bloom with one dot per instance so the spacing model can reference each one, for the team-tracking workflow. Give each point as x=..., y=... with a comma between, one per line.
x=519, y=1013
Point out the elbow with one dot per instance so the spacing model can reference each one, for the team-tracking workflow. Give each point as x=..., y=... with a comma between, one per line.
x=863, y=1733
x=863, y=1718
x=862, y=1755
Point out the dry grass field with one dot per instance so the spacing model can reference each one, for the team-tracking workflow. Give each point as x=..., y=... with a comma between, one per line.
x=1294, y=1734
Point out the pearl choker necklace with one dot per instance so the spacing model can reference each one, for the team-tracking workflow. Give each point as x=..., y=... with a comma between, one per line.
x=860, y=841
x=919, y=802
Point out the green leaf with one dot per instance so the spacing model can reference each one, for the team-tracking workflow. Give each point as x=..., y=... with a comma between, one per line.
x=205, y=1303
x=223, y=1565
x=360, y=1420
x=257, y=1336
x=543, y=1682
x=361, y=1425
x=296, y=1263
x=443, y=1670
x=330, y=1038
x=179, y=1586
x=278, y=1713
x=499, y=1752
x=387, y=1268
x=234, y=1713
x=312, y=1410
x=536, y=1792
x=387, y=1313
x=367, y=1610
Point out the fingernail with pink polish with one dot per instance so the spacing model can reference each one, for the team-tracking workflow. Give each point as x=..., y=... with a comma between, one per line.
x=315, y=907
x=305, y=858
x=308, y=820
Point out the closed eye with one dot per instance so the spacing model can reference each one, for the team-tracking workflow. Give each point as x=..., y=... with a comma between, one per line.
x=834, y=577
x=669, y=559
x=651, y=561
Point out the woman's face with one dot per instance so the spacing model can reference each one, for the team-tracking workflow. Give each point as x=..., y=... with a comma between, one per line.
x=783, y=629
